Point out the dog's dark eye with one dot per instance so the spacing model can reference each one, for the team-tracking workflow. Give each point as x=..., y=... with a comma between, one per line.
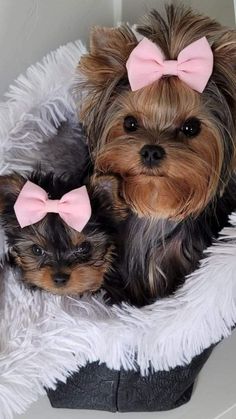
x=83, y=249
x=130, y=123
x=37, y=250
x=191, y=127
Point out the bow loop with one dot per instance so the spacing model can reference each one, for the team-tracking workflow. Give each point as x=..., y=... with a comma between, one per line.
x=194, y=65
x=32, y=205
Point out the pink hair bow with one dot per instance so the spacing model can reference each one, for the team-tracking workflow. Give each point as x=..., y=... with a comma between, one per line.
x=194, y=65
x=32, y=205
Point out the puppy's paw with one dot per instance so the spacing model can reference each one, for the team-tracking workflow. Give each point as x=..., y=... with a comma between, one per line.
x=108, y=190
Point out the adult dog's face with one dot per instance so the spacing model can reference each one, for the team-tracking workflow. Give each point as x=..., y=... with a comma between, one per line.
x=171, y=147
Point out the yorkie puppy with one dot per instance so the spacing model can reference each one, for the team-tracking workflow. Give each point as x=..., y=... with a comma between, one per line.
x=60, y=239
x=160, y=117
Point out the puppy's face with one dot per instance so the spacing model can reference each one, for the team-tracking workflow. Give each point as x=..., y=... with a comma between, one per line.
x=55, y=258
x=171, y=147
x=50, y=254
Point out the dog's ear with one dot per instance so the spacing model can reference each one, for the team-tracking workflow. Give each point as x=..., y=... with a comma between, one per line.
x=10, y=187
x=109, y=51
x=224, y=74
x=102, y=75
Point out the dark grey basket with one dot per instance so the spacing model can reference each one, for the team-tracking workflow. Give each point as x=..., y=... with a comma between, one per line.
x=97, y=387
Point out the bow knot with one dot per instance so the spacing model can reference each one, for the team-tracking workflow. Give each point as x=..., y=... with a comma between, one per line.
x=170, y=67
x=33, y=204
x=51, y=205
x=147, y=64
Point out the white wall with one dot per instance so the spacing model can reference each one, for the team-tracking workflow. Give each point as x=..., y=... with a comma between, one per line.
x=31, y=28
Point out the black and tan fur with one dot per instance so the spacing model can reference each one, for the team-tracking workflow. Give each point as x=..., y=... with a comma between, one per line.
x=68, y=262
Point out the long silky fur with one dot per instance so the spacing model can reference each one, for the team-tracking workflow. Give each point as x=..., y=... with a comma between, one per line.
x=165, y=252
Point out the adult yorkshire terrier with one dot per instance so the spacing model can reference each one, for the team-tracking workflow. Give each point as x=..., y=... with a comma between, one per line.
x=160, y=117
x=60, y=235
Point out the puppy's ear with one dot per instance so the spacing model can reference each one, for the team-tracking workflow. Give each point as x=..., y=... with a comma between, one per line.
x=102, y=75
x=10, y=187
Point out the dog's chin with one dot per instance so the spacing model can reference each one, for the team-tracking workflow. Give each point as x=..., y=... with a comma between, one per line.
x=69, y=289
x=162, y=197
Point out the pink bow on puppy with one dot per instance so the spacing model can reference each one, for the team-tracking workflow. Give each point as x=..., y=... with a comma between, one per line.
x=147, y=64
x=32, y=205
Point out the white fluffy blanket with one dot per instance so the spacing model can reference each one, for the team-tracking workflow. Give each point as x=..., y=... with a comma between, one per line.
x=43, y=337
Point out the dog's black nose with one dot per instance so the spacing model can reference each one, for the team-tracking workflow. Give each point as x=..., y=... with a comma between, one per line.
x=61, y=279
x=151, y=155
